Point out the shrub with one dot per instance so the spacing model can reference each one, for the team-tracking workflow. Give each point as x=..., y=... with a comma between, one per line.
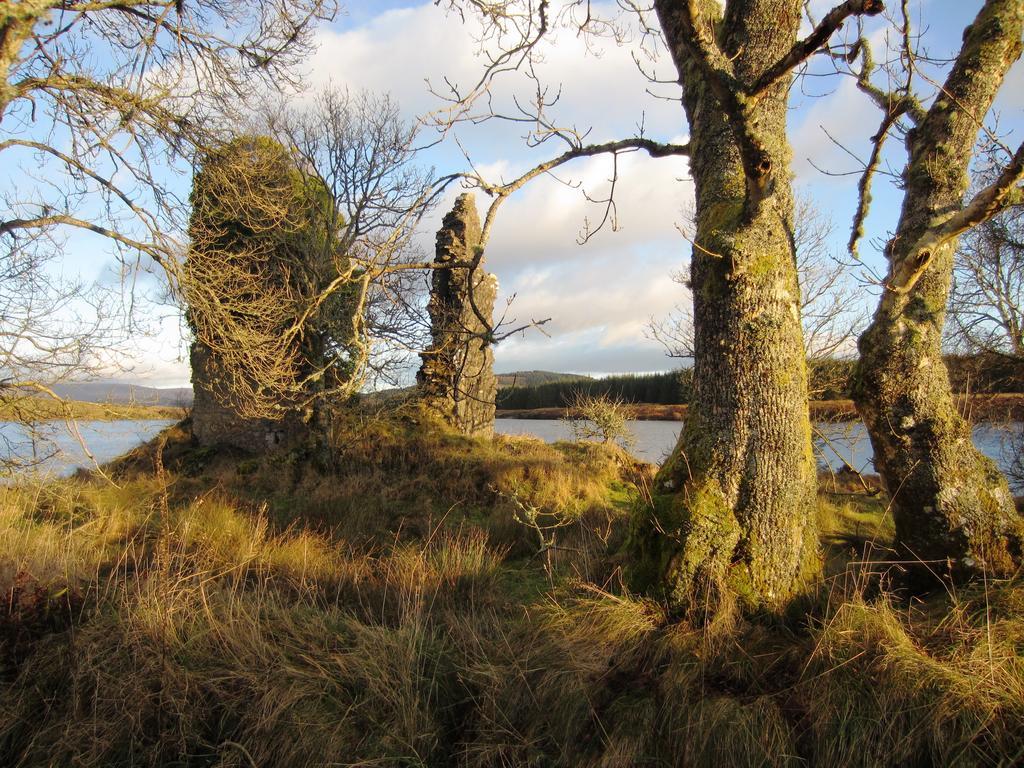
x=600, y=417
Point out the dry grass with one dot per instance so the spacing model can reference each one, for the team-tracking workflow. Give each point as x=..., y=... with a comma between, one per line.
x=194, y=628
x=34, y=409
x=400, y=478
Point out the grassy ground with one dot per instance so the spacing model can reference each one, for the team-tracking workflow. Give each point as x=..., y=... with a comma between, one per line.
x=393, y=607
x=35, y=409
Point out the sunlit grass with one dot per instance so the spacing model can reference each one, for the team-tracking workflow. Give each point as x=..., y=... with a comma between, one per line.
x=30, y=409
x=183, y=620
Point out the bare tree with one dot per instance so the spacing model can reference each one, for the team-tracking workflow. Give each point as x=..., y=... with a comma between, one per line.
x=364, y=152
x=742, y=476
x=985, y=321
x=986, y=302
x=102, y=106
x=951, y=505
x=96, y=97
x=302, y=276
x=53, y=329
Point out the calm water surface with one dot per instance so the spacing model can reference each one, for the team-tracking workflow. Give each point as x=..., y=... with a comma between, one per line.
x=57, y=452
x=835, y=444
x=60, y=453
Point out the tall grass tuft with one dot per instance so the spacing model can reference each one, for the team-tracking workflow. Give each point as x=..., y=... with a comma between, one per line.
x=189, y=622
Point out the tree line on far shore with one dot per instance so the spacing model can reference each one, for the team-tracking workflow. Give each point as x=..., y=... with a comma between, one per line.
x=830, y=379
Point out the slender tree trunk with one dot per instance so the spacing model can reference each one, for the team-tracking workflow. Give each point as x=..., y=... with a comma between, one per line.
x=952, y=508
x=734, y=503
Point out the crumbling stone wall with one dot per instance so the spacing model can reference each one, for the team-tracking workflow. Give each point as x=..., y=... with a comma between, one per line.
x=216, y=423
x=457, y=375
x=263, y=240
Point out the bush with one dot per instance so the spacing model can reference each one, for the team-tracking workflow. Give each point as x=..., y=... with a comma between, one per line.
x=600, y=417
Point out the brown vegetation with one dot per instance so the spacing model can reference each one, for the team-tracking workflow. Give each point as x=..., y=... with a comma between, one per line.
x=390, y=610
x=35, y=409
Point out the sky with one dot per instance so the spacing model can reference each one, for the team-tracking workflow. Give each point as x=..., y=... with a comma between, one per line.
x=600, y=296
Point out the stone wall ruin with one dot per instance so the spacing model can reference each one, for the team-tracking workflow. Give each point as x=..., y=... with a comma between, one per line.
x=215, y=422
x=456, y=378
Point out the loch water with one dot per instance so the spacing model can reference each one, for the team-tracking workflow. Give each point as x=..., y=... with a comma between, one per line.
x=835, y=444
x=52, y=450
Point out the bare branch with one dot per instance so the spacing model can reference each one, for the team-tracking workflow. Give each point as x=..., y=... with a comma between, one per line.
x=864, y=183
x=48, y=220
x=803, y=49
x=1004, y=191
x=901, y=102
x=502, y=190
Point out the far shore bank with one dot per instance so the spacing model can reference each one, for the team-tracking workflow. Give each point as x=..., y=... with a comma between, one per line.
x=986, y=408
x=39, y=409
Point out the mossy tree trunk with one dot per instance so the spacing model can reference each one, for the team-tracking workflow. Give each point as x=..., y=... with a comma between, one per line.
x=952, y=508
x=16, y=22
x=734, y=504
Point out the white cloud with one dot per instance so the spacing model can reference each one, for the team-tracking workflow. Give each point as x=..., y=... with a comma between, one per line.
x=399, y=51
x=395, y=52
x=543, y=222
x=578, y=353
x=599, y=311
x=601, y=294
x=161, y=373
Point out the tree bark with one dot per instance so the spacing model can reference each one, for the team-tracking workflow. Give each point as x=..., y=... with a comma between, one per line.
x=15, y=27
x=952, y=508
x=733, y=508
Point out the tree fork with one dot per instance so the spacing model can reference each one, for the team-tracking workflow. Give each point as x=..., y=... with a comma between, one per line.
x=734, y=505
x=953, y=510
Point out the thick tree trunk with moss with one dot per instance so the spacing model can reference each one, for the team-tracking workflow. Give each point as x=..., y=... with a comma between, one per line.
x=952, y=508
x=15, y=26
x=734, y=503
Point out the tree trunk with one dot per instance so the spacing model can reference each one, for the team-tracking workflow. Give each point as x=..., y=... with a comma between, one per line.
x=15, y=27
x=734, y=504
x=952, y=508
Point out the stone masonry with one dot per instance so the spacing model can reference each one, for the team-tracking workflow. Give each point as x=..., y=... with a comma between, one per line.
x=457, y=378
x=215, y=422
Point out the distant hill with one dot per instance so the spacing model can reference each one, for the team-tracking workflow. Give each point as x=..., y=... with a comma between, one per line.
x=537, y=378
x=122, y=393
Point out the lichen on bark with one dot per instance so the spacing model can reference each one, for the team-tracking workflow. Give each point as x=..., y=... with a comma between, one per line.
x=734, y=505
x=953, y=510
